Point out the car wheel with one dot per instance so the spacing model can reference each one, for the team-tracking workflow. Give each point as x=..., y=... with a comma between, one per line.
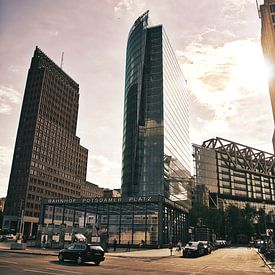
x=97, y=262
x=60, y=258
x=79, y=260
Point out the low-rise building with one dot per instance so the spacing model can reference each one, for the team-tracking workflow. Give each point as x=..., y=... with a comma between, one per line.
x=231, y=173
x=89, y=189
x=111, y=193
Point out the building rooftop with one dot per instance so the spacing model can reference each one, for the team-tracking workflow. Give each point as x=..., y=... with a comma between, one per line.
x=242, y=156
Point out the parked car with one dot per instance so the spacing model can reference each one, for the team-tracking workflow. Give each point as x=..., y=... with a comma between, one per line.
x=80, y=253
x=193, y=249
x=10, y=237
x=207, y=247
x=220, y=243
x=258, y=243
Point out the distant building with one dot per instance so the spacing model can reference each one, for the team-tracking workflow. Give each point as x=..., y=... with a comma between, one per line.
x=267, y=13
x=48, y=160
x=227, y=173
x=110, y=193
x=89, y=189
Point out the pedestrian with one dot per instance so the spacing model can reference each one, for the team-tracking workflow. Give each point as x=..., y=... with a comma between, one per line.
x=115, y=243
x=141, y=244
x=128, y=247
x=44, y=240
x=179, y=245
x=170, y=246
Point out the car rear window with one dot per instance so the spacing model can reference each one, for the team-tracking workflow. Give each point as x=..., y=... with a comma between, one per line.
x=95, y=247
x=192, y=244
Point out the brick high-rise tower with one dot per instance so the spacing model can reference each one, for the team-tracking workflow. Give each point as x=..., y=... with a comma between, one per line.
x=48, y=159
x=267, y=11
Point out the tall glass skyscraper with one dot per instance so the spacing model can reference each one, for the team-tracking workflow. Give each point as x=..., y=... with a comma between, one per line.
x=156, y=150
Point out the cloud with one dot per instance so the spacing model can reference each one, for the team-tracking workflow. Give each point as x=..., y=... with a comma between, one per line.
x=5, y=156
x=234, y=8
x=215, y=37
x=103, y=171
x=8, y=97
x=101, y=164
x=5, y=162
x=53, y=33
x=14, y=68
x=228, y=87
x=132, y=6
x=220, y=75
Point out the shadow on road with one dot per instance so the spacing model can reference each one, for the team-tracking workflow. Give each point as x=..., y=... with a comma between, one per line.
x=72, y=263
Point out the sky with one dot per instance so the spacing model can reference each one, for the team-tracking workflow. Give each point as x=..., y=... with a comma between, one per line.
x=217, y=43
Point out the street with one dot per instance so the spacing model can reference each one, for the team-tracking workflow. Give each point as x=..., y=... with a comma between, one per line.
x=222, y=261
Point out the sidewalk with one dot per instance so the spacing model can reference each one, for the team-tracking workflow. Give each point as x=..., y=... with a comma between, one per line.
x=121, y=252
x=269, y=264
x=144, y=253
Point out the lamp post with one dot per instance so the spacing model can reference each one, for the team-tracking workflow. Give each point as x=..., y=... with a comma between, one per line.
x=21, y=226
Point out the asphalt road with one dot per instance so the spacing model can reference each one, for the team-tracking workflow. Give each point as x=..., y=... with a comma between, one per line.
x=223, y=261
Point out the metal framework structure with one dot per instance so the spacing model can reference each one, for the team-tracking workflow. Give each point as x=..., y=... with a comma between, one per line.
x=243, y=157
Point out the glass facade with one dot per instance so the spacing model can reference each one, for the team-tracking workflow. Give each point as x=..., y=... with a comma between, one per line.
x=135, y=219
x=156, y=153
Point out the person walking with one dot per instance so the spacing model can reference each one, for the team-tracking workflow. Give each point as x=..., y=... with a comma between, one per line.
x=170, y=246
x=44, y=240
x=115, y=243
x=128, y=247
x=179, y=246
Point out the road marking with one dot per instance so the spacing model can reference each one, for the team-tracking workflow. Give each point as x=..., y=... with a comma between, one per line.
x=9, y=262
x=43, y=272
x=64, y=270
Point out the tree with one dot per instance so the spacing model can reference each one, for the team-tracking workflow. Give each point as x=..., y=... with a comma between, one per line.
x=261, y=221
x=233, y=221
x=198, y=214
x=210, y=217
x=215, y=221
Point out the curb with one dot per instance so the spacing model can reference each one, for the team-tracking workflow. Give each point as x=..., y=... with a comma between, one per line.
x=108, y=255
x=140, y=257
x=27, y=252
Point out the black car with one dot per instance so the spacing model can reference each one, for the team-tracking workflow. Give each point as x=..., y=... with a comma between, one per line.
x=220, y=243
x=207, y=247
x=82, y=253
x=193, y=249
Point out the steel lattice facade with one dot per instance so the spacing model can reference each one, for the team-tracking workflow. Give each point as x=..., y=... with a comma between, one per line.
x=231, y=173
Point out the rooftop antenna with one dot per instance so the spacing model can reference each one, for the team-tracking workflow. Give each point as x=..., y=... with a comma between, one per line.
x=62, y=58
x=258, y=8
